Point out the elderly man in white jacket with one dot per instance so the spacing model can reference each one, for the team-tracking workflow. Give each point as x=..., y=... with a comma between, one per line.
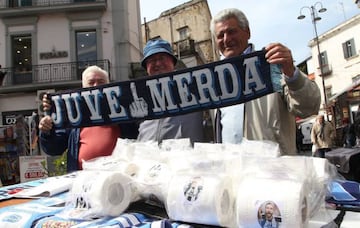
x=271, y=117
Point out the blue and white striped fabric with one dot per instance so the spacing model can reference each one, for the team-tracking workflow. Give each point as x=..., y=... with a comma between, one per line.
x=25, y=215
x=46, y=212
x=126, y=220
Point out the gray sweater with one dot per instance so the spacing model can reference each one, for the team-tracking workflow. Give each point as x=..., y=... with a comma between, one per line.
x=183, y=126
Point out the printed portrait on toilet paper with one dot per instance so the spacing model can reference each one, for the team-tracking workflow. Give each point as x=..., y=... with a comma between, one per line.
x=269, y=215
x=192, y=190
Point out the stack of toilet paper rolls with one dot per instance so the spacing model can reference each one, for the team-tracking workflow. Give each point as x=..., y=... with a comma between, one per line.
x=281, y=203
x=98, y=193
x=202, y=198
x=211, y=184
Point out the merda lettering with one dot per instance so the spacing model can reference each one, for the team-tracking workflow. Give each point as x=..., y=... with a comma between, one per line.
x=209, y=86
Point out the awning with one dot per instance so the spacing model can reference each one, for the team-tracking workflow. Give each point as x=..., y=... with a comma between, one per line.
x=309, y=119
x=346, y=89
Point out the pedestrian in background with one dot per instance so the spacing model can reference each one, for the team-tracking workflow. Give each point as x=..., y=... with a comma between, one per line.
x=299, y=139
x=348, y=134
x=322, y=136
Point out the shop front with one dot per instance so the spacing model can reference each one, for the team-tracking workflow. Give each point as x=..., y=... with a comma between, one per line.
x=344, y=106
x=18, y=137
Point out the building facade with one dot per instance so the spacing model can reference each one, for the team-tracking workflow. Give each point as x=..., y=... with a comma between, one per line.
x=186, y=27
x=45, y=45
x=339, y=56
x=340, y=74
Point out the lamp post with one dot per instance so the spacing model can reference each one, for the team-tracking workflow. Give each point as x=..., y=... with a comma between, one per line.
x=314, y=19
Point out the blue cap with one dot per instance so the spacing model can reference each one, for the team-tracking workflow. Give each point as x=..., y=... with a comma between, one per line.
x=153, y=47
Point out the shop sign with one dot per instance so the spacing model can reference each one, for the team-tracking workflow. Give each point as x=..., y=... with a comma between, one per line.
x=53, y=54
x=9, y=120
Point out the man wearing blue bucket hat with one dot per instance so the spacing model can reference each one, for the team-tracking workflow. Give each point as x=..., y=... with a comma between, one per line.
x=159, y=59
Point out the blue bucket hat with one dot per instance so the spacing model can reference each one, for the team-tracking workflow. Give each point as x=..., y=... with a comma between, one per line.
x=153, y=47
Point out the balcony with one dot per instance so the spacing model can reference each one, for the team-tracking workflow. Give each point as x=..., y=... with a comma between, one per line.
x=184, y=47
x=46, y=74
x=13, y=8
x=326, y=70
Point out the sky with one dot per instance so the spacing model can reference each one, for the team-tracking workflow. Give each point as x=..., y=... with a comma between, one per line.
x=273, y=20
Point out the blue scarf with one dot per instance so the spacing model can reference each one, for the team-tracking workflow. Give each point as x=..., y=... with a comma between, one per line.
x=219, y=84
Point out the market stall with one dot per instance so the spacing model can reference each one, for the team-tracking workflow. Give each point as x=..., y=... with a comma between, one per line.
x=176, y=185
x=18, y=142
x=347, y=161
x=344, y=105
x=9, y=152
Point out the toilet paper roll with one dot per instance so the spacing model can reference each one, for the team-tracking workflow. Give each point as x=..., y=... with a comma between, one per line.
x=324, y=170
x=283, y=203
x=99, y=193
x=323, y=173
x=200, y=199
x=131, y=169
x=152, y=179
x=105, y=163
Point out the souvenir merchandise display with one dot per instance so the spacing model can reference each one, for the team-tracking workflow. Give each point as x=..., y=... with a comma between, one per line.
x=200, y=198
x=50, y=187
x=204, y=184
x=280, y=202
x=96, y=194
x=244, y=185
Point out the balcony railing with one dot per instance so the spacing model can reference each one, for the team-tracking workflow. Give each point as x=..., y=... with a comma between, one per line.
x=30, y=7
x=326, y=70
x=184, y=47
x=49, y=73
x=30, y=3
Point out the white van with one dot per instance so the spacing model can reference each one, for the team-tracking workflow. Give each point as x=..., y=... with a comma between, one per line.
x=306, y=131
x=305, y=128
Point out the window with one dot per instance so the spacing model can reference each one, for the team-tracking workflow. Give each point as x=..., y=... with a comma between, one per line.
x=19, y=3
x=86, y=49
x=349, y=48
x=323, y=59
x=21, y=58
x=328, y=91
x=356, y=78
x=183, y=33
x=324, y=64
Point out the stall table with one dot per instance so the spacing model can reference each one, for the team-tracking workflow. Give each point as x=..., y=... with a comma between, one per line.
x=347, y=217
x=347, y=161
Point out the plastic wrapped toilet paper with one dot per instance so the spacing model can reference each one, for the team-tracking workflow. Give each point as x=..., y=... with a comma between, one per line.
x=274, y=202
x=152, y=179
x=105, y=163
x=109, y=163
x=324, y=170
x=203, y=199
x=176, y=144
x=123, y=149
x=98, y=193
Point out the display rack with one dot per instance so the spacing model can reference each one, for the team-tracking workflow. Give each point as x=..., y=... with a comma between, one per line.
x=14, y=142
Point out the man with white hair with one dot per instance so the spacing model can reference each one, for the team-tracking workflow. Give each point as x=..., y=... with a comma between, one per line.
x=81, y=143
x=322, y=136
x=271, y=117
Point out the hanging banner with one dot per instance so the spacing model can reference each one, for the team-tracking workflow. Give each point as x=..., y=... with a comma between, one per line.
x=223, y=83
